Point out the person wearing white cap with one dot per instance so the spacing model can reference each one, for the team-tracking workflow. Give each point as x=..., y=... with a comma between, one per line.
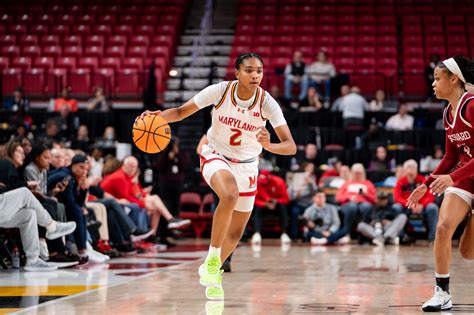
x=454, y=176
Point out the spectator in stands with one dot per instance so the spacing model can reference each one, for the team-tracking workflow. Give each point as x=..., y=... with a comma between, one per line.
x=123, y=184
x=357, y=197
x=375, y=136
x=36, y=171
x=281, y=100
x=25, y=144
x=380, y=163
x=301, y=191
x=52, y=131
x=312, y=102
x=20, y=209
x=383, y=223
x=426, y=205
x=322, y=219
x=377, y=104
x=66, y=100
x=68, y=155
x=99, y=102
x=345, y=89
x=272, y=196
x=429, y=163
x=353, y=107
x=391, y=181
x=429, y=74
x=295, y=74
x=22, y=131
x=320, y=74
x=333, y=171
x=57, y=159
x=108, y=138
x=18, y=103
x=97, y=162
x=400, y=121
x=73, y=198
x=82, y=141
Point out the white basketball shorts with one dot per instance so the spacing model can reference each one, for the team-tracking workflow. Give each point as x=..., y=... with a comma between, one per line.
x=245, y=174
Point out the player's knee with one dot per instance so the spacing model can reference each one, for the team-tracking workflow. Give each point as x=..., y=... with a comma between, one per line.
x=235, y=236
x=443, y=229
x=230, y=197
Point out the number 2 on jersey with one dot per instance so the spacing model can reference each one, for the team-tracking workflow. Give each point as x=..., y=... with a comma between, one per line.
x=236, y=137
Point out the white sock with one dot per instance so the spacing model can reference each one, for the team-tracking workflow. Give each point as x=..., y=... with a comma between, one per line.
x=214, y=250
x=52, y=227
x=441, y=275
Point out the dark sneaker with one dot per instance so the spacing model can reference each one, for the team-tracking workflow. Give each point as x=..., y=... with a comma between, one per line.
x=126, y=249
x=140, y=235
x=64, y=260
x=83, y=260
x=226, y=266
x=176, y=223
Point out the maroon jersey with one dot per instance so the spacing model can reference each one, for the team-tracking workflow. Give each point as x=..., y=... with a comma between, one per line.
x=458, y=161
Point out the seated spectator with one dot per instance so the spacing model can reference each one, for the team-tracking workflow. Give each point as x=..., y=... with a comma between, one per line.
x=108, y=139
x=384, y=224
x=52, y=131
x=36, y=171
x=295, y=74
x=123, y=184
x=332, y=171
x=65, y=101
x=357, y=197
x=391, y=181
x=18, y=103
x=312, y=102
x=400, y=121
x=301, y=191
x=82, y=141
x=25, y=144
x=345, y=89
x=375, y=136
x=99, y=102
x=97, y=163
x=320, y=74
x=272, y=196
x=377, y=104
x=380, y=163
x=429, y=163
x=353, y=107
x=73, y=198
x=426, y=206
x=338, y=181
x=57, y=159
x=322, y=219
x=68, y=122
x=20, y=209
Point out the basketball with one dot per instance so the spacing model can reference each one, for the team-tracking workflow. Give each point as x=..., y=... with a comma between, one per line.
x=151, y=134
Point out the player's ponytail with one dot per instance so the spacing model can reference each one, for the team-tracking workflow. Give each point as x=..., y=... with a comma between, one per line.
x=242, y=57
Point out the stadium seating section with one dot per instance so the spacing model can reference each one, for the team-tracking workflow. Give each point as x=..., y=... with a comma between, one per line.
x=46, y=45
x=380, y=44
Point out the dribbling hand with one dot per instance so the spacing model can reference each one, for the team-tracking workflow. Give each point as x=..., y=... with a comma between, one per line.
x=416, y=195
x=148, y=113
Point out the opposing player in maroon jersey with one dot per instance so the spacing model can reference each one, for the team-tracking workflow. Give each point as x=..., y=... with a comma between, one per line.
x=455, y=175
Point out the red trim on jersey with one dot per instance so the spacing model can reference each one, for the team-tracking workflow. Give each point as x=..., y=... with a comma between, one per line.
x=223, y=96
x=248, y=193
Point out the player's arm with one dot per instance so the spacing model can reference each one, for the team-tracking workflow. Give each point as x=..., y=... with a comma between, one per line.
x=175, y=114
x=286, y=146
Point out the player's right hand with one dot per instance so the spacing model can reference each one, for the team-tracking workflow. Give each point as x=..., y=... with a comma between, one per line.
x=148, y=113
x=416, y=195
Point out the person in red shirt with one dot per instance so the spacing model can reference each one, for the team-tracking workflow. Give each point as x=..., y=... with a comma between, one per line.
x=65, y=100
x=271, y=196
x=123, y=184
x=357, y=198
x=426, y=205
x=454, y=176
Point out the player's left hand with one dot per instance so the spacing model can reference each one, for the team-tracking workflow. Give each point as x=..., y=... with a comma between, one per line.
x=440, y=184
x=263, y=137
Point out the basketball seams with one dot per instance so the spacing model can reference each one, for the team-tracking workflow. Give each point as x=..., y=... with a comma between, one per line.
x=160, y=144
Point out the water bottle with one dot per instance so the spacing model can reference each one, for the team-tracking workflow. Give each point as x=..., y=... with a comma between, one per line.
x=148, y=176
x=358, y=143
x=16, y=258
x=378, y=229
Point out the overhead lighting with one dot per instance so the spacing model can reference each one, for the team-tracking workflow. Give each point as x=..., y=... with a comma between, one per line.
x=173, y=72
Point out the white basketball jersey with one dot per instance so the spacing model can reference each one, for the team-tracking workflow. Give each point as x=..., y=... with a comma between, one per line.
x=234, y=128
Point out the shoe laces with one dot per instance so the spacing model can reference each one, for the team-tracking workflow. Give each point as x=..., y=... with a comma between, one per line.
x=213, y=265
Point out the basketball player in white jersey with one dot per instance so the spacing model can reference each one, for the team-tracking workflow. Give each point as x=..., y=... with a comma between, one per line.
x=229, y=161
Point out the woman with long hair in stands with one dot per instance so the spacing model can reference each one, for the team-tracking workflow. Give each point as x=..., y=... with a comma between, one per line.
x=229, y=162
x=455, y=174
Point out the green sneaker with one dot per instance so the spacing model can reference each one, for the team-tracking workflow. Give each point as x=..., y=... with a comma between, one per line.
x=215, y=293
x=210, y=273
